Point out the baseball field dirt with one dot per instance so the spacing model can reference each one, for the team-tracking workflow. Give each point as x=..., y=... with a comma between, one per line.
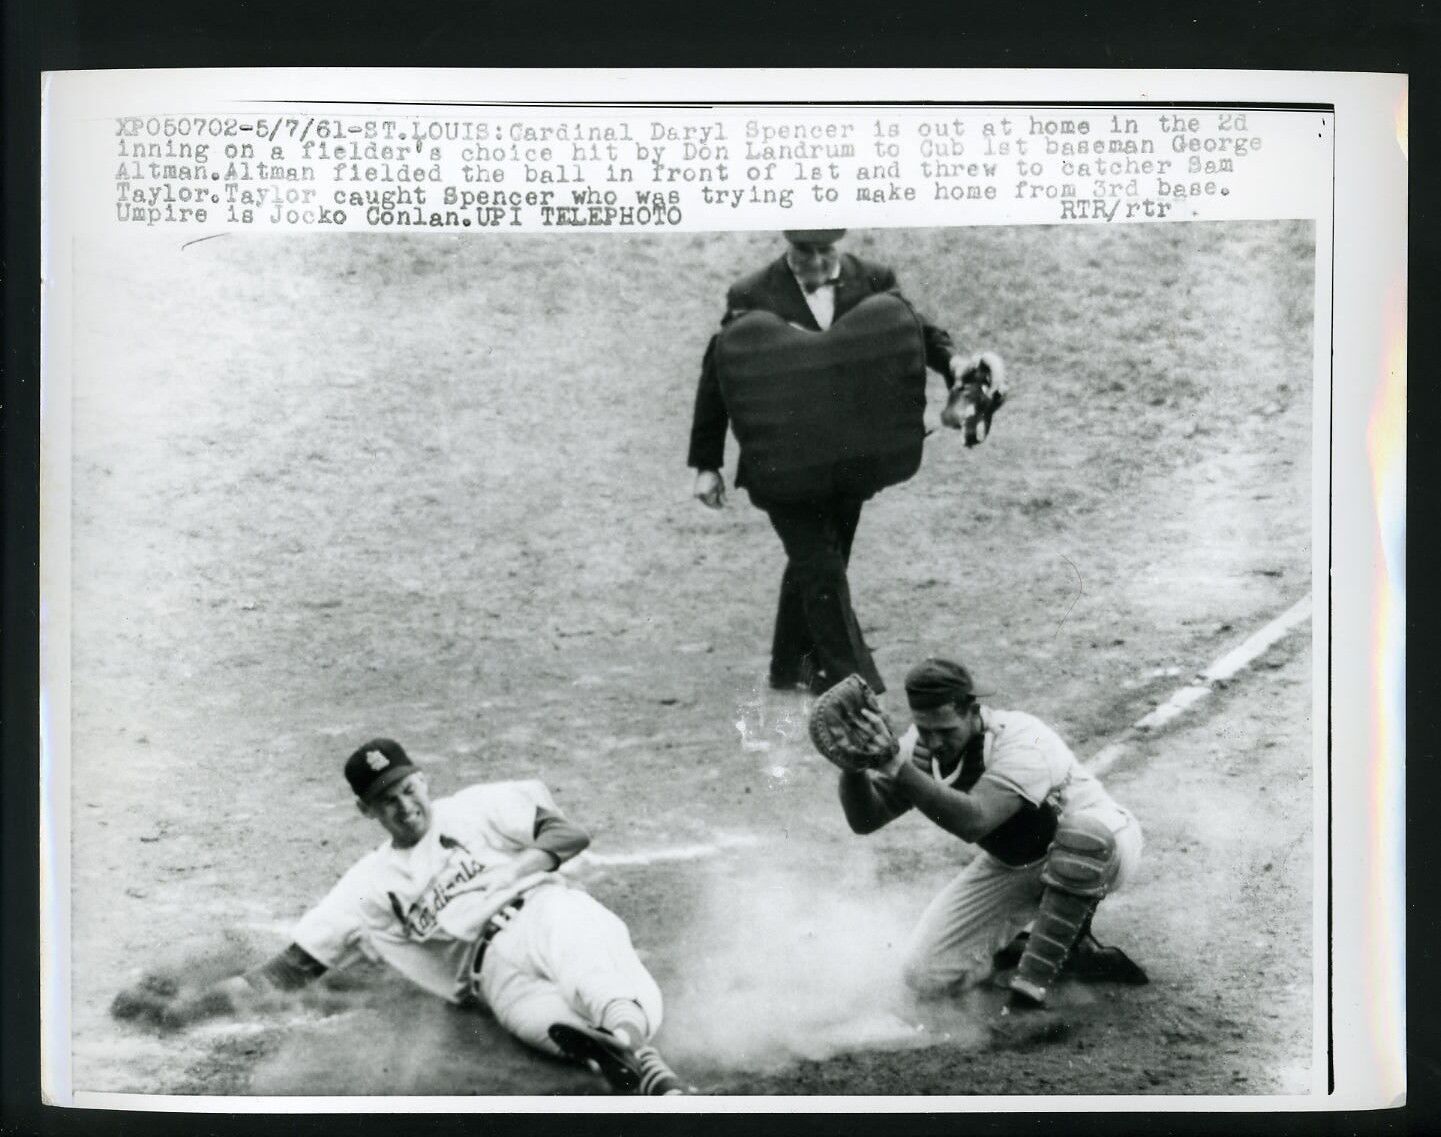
x=331, y=488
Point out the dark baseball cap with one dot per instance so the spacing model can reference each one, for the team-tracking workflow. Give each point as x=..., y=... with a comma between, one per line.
x=813, y=236
x=381, y=762
x=938, y=682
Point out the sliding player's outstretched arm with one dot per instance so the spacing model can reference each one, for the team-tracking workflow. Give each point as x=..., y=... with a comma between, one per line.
x=172, y=1002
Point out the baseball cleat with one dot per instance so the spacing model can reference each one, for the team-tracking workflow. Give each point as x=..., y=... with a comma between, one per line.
x=1089, y=962
x=617, y=1064
x=1092, y=962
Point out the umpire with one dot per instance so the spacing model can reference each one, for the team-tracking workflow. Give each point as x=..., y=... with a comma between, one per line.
x=817, y=639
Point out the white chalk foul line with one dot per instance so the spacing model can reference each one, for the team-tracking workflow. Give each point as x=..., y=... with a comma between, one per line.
x=1224, y=667
x=1172, y=708
x=672, y=853
x=243, y=1027
x=1242, y=655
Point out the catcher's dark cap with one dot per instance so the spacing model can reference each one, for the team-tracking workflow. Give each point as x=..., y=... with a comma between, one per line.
x=381, y=762
x=813, y=236
x=938, y=683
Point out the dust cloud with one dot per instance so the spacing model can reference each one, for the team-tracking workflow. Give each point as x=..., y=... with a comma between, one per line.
x=802, y=963
x=779, y=963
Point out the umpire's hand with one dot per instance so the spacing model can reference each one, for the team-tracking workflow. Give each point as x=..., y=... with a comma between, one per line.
x=710, y=489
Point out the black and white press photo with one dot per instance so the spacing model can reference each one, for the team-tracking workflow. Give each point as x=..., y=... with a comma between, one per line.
x=844, y=657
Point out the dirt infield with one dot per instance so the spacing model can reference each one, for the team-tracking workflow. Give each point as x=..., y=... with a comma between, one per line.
x=435, y=488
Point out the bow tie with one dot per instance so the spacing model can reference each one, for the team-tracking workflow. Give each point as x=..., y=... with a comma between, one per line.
x=813, y=288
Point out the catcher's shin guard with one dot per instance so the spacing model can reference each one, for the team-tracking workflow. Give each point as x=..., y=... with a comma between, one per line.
x=1079, y=870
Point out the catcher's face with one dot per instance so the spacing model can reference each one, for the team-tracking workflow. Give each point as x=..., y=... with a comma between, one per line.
x=813, y=264
x=403, y=810
x=946, y=732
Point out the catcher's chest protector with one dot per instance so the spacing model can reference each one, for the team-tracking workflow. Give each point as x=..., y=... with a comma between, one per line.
x=1024, y=837
x=838, y=412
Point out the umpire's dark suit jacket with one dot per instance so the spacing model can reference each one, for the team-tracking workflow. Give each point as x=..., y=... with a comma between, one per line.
x=774, y=289
x=817, y=636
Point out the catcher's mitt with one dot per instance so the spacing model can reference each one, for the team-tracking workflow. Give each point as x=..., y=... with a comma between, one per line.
x=848, y=726
x=978, y=394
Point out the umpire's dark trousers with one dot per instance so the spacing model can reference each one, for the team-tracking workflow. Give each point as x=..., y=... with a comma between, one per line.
x=817, y=638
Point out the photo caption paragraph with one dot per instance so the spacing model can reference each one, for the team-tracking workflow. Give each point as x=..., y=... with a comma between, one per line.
x=556, y=169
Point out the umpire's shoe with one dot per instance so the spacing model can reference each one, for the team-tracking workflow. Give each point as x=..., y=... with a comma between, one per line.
x=628, y=1071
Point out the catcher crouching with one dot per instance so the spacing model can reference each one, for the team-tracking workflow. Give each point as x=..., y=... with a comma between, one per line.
x=463, y=900
x=1052, y=842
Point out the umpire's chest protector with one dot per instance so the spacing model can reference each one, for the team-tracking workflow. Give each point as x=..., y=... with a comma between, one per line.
x=838, y=412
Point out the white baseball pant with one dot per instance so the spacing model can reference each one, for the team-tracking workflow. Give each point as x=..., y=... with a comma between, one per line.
x=561, y=959
x=984, y=908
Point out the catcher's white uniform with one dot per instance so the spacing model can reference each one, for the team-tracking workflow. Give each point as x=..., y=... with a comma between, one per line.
x=561, y=957
x=989, y=902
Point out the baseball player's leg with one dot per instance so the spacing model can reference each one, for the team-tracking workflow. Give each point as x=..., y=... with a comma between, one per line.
x=1129, y=845
x=522, y=1002
x=1091, y=961
x=585, y=950
x=1094, y=852
x=953, y=945
x=526, y=1003
x=535, y=1010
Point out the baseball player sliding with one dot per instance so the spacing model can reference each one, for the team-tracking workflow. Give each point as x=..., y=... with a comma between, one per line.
x=463, y=900
x=1053, y=843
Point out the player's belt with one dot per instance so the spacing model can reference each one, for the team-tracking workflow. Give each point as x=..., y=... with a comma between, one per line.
x=493, y=927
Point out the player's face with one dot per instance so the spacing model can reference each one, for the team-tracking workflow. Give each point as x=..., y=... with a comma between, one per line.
x=813, y=264
x=403, y=810
x=946, y=732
